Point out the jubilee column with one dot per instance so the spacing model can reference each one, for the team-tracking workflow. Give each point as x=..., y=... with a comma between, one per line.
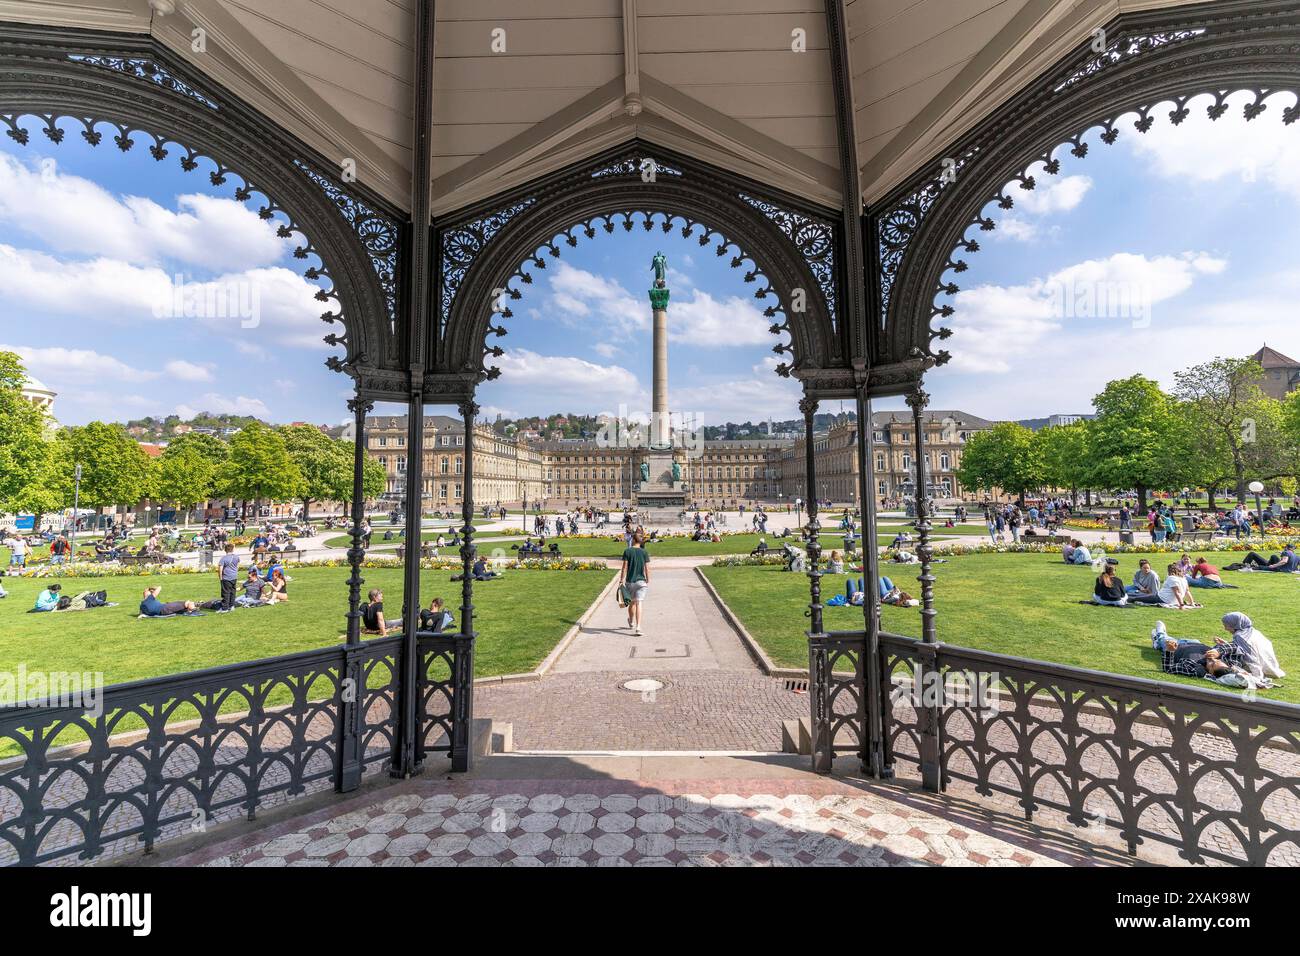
x=660, y=435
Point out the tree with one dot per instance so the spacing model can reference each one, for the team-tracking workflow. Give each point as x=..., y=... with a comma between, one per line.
x=114, y=468
x=1063, y=450
x=1224, y=396
x=186, y=476
x=1005, y=456
x=325, y=464
x=24, y=450
x=260, y=467
x=1136, y=441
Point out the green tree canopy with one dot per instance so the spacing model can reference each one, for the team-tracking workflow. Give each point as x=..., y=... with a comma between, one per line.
x=1005, y=456
x=1064, y=452
x=1137, y=440
x=1224, y=397
x=260, y=467
x=114, y=468
x=185, y=475
x=325, y=464
x=24, y=450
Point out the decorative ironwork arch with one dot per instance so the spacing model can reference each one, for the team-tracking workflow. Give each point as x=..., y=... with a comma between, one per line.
x=786, y=246
x=1149, y=60
x=134, y=90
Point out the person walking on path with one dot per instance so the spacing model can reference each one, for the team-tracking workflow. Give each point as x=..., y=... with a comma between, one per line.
x=634, y=577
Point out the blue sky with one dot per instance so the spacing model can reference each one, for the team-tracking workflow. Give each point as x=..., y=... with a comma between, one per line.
x=1195, y=224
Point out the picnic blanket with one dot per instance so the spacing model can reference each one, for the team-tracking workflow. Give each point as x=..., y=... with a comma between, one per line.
x=1167, y=607
x=159, y=617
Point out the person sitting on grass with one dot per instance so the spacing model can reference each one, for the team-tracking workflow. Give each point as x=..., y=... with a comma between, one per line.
x=1174, y=592
x=277, y=589
x=48, y=599
x=152, y=606
x=1256, y=650
x=254, y=590
x=1109, y=589
x=1286, y=562
x=1206, y=575
x=437, y=618
x=836, y=564
x=1146, y=583
x=372, y=615
x=480, y=572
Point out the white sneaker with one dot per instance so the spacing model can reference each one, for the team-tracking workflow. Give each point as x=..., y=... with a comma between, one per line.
x=636, y=631
x=1159, y=632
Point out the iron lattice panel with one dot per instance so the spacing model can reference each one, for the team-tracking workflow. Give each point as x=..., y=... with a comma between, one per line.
x=173, y=754
x=445, y=692
x=837, y=692
x=1213, y=775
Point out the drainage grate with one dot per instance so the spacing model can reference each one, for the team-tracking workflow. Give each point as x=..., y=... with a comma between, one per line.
x=798, y=686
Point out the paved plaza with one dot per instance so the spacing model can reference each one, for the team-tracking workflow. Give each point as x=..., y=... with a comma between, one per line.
x=649, y=811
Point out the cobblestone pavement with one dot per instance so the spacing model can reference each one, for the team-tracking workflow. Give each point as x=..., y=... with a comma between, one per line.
x=611, y=822
x=695, y=710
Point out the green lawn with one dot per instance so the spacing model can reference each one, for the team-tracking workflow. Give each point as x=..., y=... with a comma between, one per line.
x=1024, y=605
x=519, y=619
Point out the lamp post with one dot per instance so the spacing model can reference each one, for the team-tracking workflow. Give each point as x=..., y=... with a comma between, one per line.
x=76, y=508
x=1256, y=488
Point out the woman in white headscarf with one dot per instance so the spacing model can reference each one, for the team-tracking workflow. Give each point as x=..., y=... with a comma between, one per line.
x=1256, y=649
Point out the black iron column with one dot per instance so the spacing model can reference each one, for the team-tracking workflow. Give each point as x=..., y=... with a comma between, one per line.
x=347, y=772
x=873, y=759
x=930, y=705
x=416, y=274
x=359, y=407
x=808, y=406
x=463, y=695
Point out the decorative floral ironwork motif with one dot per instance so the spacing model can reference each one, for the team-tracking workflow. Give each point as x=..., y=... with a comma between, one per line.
x=378, y=235
x=145, y=70
x=813, y=238
x=1125, y=48
x=634, y=166
x=460, y=246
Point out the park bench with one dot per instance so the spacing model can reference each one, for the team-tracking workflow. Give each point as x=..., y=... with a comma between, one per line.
x=1184, y=537
x=136, y=560
x=539, y=555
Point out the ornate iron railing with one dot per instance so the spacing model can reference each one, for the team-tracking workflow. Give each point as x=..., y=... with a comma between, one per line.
x=172, y=754
x=837, y=695
x=1209, y=773
x=446, y=696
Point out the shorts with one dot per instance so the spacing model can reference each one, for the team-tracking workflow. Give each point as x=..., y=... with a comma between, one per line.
x=636, y=591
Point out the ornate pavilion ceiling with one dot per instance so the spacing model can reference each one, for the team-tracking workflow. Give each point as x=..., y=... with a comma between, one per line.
x=716, y=79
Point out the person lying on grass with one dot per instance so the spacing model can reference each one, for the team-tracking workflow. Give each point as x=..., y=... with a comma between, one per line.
x=1206, y=575
x=889, y=593
x=1223, y=663
x=151, y=606
x=1285, y=562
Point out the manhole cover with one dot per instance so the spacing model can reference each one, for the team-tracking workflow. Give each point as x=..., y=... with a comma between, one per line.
x=643, y=685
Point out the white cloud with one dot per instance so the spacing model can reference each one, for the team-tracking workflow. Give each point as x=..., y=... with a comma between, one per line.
x=188, y=371
x=706, y=321
x=567, y=382
x=216, y=404
x=61, y=368
x=763, y=395
x=1204, y=150
x=74, y=215
x=253, y=304
x=995, y=326
x=1055, y=196
x=606, y=349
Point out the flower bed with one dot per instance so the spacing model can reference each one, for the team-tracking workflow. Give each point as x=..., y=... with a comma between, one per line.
x=111, y=570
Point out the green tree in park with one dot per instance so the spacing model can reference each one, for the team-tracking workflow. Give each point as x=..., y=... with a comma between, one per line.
x=325, y=465
x=1065, y=455
x=24, y=451
x=209, y=446
x=185, y=475
x=115, y=471
x=260, y=467
x=374, y=480
x=1235, y=433
x=1005, y=456
x=1137, y=440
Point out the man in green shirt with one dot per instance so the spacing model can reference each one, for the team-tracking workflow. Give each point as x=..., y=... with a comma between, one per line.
x=634, y=577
